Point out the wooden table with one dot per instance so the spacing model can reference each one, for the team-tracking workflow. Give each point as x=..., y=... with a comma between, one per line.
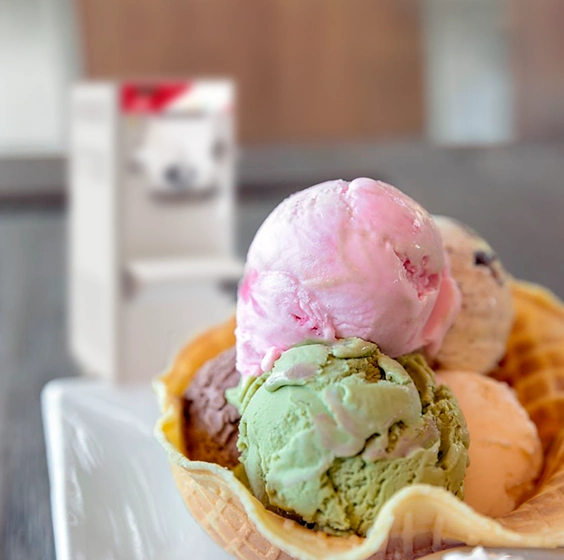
x=513, y=195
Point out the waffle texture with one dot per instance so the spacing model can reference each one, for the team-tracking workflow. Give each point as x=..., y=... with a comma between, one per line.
x=534, y=362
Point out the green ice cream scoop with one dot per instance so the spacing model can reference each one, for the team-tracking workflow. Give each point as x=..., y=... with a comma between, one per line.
x=334, y=430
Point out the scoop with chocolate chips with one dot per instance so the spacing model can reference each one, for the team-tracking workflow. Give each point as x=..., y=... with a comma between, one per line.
x=478, y=338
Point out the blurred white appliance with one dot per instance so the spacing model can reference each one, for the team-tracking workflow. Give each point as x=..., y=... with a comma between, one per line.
x=469, y=72
x=151, y=178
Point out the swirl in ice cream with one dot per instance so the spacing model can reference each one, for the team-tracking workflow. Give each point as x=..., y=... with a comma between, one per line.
x=333, y=431
x=338, y=260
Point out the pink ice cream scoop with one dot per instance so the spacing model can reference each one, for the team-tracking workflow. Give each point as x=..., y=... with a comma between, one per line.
x=344, y=259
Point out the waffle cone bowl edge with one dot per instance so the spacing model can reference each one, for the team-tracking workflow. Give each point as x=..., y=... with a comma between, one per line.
x=417, y=520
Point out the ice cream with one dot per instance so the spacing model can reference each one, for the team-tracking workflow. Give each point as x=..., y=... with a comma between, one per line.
x=344, y=259
x=481, y=329
x=211, y=425
x=505, y=450
x=334, y=430
x=341, y=437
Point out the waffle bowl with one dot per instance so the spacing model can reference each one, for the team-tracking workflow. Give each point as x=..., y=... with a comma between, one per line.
x=534, y=361
x=417, y=520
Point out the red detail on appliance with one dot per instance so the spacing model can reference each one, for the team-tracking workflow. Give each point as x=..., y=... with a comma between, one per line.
x=151, y=98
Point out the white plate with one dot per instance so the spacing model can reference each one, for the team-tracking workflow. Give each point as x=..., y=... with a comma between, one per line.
x=112, y=493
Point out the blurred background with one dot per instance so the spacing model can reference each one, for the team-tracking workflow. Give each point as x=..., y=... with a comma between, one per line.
x=460, y=103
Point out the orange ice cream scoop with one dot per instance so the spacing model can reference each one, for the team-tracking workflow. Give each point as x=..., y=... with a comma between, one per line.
x=505, y=451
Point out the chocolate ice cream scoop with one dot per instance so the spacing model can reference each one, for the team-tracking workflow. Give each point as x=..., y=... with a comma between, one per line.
x=211, y=424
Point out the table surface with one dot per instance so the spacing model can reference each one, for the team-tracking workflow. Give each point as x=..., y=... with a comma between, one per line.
x=513, y=195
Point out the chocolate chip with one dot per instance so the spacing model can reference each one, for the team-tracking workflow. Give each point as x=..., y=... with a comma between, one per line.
x=488, y=259
x=483, y=258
